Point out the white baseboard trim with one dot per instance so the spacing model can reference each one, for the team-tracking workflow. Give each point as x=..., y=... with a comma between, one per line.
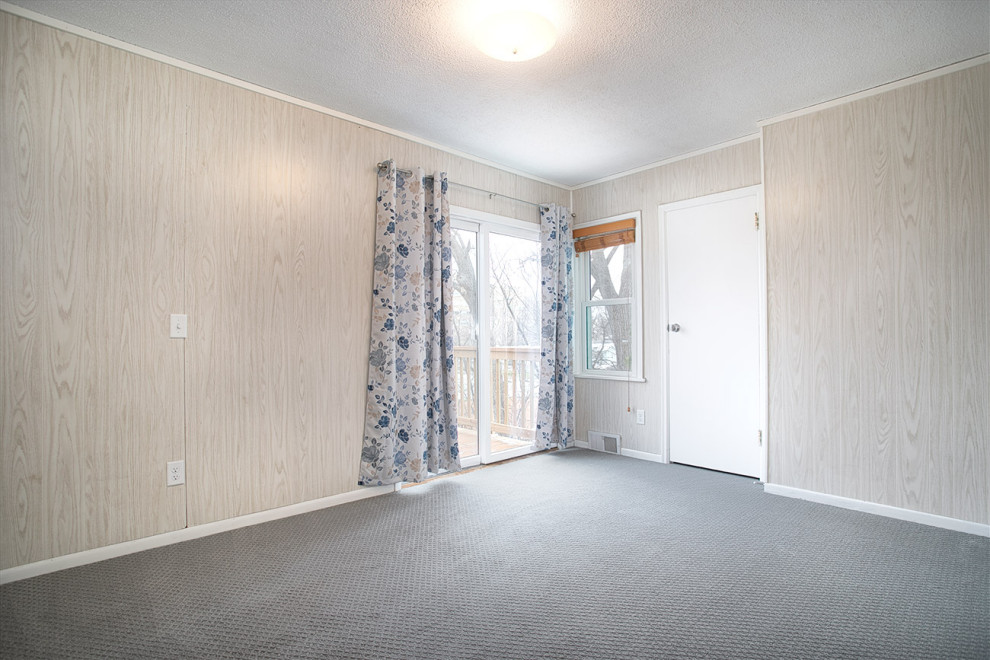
x=642, y=455
x=631, y=453
x=944, y=522
x=25, y=571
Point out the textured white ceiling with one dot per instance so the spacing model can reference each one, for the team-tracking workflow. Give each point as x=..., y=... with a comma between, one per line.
x=630, y=82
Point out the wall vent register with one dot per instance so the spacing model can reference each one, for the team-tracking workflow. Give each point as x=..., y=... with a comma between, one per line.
x=610, y=443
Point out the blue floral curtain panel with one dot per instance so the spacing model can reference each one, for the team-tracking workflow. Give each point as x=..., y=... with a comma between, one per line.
x=411, y=417
x=555, y=414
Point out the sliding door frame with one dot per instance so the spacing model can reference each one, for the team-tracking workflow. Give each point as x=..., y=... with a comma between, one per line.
x=484, y=224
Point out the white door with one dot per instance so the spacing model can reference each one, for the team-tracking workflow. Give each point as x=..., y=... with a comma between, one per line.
x=713, y=331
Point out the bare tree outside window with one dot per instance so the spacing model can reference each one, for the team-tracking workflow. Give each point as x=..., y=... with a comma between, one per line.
x=514, y=270
x=464, y=249
x=515, y=278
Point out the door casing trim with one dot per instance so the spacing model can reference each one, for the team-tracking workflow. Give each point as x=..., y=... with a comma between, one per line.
x=662, y=211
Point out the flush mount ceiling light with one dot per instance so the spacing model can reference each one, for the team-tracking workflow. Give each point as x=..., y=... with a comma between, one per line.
x=515, y=36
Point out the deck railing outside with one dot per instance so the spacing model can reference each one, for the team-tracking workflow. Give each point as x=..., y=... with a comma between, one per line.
x=514, y=387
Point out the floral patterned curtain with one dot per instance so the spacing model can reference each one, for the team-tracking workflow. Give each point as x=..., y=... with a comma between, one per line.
x=410, y=425
x=555, y=415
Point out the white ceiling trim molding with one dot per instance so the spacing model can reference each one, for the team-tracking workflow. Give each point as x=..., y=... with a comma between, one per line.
x=879, y=89
x=193, y=68
x=672, y=159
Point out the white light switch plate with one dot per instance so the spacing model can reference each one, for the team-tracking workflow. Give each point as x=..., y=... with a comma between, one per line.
x=178, y=326
x=640, y=416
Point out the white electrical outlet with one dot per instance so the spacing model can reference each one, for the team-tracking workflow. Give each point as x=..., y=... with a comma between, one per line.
x=175, y=473
x=640, y=416
x=178, y=326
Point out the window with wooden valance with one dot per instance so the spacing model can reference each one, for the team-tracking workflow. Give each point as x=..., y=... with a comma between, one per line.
x=608, y=298
x=605, y=235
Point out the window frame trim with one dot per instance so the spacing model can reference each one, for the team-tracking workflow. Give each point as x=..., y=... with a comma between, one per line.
x=581, y=286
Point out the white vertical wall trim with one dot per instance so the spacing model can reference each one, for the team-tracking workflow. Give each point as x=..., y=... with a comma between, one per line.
x=880, y=510
x=664, y=376
x=764, y=331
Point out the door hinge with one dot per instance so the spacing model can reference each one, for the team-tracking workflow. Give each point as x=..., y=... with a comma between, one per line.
x=759, y=437
x=757, y=220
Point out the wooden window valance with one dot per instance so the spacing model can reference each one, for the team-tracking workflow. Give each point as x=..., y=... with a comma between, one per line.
x=605, y=235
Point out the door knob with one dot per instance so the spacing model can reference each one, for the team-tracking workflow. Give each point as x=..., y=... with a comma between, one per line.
x=676, y=327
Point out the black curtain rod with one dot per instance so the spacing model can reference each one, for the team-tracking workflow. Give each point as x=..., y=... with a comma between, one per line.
x=383, y=165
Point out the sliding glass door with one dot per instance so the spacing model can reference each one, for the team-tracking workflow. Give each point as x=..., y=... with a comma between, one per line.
x=496, y=275
x=513, y=339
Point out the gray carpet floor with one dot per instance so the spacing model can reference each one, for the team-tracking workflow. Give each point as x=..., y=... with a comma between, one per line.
x=572, y=554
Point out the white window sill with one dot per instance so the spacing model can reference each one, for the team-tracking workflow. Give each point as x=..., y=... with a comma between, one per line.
x=618, y=378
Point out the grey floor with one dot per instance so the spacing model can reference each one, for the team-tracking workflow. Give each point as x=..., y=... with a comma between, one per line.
x=566, y=555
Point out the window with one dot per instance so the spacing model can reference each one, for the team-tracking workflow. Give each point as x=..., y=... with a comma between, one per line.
x=608, y=299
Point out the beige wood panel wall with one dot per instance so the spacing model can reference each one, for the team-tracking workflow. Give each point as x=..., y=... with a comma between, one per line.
x=600, y=405
x=878, y=229
x=91, y=254
x=132, y=190
x=279, y=245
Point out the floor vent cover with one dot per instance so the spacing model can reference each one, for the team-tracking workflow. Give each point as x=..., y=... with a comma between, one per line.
x=606, y=442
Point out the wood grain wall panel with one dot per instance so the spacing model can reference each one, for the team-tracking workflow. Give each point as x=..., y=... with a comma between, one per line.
x=350, y=252
x=66, y=293
x=851, y=246
x=877, y=229
x=28, y=68
x=785, y=318
x=22, y=191
x=878, y=367
x=283, y=240
x=134, y=200
x=308, y=360
x=912, y=197
x=969, y=256
x=237, y=364
x=132, y=190
x=600, y=405
x=92, y=385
